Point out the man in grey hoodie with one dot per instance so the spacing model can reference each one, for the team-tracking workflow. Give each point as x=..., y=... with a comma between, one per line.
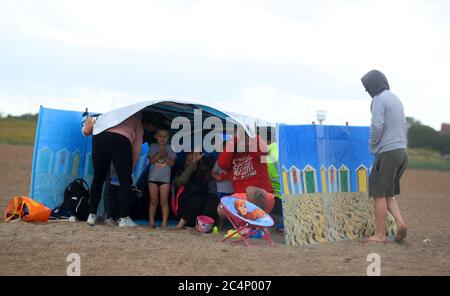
x=388, y=144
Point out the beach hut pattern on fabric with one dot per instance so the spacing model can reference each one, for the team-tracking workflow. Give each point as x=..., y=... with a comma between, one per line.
x=344, y=179
x=285, y=188
x=333, y=203
x=332, y=179
x=309, y=179
x=75, y=163
x=323, y=178
x=44, y=161
x=294, y=177
x=362, y=174
x=310, y=172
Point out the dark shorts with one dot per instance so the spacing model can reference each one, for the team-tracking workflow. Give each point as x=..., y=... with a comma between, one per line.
x=158, y=183
x=387, y=169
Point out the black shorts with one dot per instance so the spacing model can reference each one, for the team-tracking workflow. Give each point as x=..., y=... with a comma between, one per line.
x=157, y=183
x=387, y=169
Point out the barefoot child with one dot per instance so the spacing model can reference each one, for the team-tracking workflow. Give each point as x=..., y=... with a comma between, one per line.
x=162, y=158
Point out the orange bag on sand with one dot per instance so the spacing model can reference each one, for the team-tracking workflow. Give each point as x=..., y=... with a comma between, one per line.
x=24, y=208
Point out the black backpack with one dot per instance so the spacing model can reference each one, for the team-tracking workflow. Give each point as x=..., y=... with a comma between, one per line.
x=76, y=199
x=139, y=205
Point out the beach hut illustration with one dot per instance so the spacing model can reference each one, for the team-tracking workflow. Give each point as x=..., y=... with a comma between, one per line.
x=89, y=168
x=323, y=178
x=44, y=161
x=285, y=179
x=362, y=174
x=294, y=178
x=332, y=179
x=309, y=179
x=62, y=159
x=344, y=179
x=75, y=163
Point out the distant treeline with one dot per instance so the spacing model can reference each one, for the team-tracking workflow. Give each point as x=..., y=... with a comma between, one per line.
x=423, y=136
x=18, y=130
x=28, y=116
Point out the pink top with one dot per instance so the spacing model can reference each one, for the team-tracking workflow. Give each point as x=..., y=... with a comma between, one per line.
x=132, y=129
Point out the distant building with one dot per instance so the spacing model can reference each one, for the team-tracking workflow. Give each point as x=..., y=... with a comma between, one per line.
x=445, y=128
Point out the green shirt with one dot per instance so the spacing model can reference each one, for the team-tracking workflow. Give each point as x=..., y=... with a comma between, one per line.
x=272, y=166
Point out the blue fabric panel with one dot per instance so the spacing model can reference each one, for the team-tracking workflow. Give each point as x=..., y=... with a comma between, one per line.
x=61, y=154
x=316, y=147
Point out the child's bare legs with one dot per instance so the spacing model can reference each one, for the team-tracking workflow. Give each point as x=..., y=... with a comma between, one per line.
x=221, y=223
x=380, y=208
x=164, y=190
x=221, y=212
x=153, y=190
x=393, y=208
x=221, y=217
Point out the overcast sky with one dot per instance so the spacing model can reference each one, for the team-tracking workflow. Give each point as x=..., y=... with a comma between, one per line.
x=277, y=60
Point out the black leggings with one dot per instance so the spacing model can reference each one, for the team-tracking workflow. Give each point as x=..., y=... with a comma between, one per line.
x=110, y=147
x=196, y=205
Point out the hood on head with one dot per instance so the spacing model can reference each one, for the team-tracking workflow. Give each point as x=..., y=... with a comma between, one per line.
x=375, y=82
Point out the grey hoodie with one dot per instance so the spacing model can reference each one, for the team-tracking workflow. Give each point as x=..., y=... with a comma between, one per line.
x=388, y=127
x=375, y=82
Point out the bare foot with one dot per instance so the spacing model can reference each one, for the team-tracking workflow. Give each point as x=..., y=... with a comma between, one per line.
x=374, y=239
x=401, y=232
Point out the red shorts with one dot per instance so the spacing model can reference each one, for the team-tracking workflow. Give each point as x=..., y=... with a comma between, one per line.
x=269, y=198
